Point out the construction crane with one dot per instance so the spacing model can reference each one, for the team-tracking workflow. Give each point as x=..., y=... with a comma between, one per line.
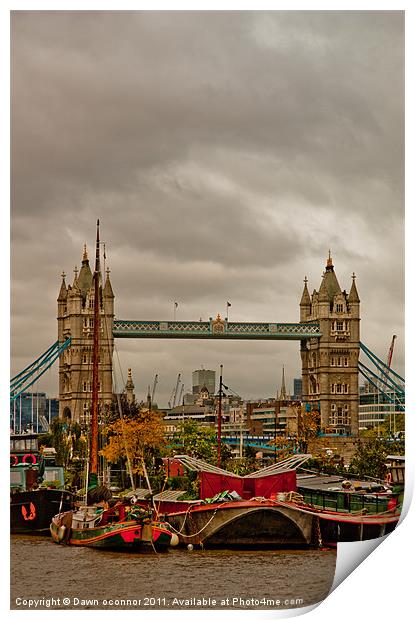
x=156, y=380
x=390, y=354
x=172, y=401
x=176, y=391
x=388, y=361
x=180, y=399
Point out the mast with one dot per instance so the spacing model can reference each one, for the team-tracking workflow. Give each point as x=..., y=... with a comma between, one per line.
x=220, y=414
x=95, y=352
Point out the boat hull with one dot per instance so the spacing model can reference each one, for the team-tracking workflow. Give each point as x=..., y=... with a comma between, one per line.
x=243, y=525
x=122, y=536
x=31, y=511
x=273, y=524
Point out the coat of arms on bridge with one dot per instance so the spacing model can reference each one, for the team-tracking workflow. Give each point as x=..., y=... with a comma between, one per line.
x=218, y=325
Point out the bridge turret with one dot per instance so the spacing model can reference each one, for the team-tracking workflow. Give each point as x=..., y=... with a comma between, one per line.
x=76, y=319
x=329, y=363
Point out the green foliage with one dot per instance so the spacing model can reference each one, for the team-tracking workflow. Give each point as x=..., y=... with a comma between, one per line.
x=67, y=440
x=198, y=441
x=178, y=482
x=242, y=466
x=369, y=459
x=327, y=464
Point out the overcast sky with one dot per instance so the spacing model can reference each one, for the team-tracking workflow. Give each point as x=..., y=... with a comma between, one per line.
x=224, y=154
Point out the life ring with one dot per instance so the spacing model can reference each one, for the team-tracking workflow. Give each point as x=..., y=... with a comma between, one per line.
x=13, y=460
x=32, y=457
x=32, y=515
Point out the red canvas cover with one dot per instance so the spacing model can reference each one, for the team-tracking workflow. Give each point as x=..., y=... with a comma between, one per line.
x=277, y=483
x=211, y=484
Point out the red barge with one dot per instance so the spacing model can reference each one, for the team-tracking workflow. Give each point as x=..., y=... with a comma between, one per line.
x=265, y=510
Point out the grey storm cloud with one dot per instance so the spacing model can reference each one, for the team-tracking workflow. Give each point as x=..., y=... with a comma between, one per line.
x=224, y=153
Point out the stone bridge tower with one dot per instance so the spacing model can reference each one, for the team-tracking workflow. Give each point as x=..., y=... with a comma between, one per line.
x=329, y=363
x=76, y=319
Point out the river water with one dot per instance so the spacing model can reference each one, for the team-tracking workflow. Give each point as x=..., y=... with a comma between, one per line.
x=64, y=577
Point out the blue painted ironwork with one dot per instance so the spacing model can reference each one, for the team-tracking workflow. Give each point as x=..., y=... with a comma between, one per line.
x=215, y=328
x=384, y=368
x=382, y=380
x=26, y=372
x=27, y=377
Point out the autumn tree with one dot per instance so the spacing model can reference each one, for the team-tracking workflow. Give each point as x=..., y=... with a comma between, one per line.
x=308, y=426
x=135, y=439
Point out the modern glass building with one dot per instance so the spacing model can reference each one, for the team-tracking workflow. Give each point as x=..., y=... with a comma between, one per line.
x=203, y=378
x=33, y=411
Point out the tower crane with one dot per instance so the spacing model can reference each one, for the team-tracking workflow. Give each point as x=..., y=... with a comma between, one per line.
x=172, y=401
x=176, y=390
x=389, y=359
x=390, y=354
x=156, y=380
x=180, y=399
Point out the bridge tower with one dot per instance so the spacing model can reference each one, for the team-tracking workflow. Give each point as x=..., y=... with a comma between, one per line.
x=329, y=363
x=76, y=319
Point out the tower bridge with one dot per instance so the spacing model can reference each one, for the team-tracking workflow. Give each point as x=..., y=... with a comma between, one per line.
x=328, y=332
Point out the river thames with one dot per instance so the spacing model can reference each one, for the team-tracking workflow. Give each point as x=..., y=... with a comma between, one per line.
x=45, y=575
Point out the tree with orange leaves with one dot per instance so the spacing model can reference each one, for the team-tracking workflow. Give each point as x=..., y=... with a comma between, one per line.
x=135, y=439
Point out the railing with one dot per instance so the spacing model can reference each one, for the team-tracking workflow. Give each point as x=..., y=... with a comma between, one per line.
x=217, y=328
x=346, y=502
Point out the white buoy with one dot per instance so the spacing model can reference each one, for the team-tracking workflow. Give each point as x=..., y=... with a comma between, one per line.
x=190, y=547
x=174, y=541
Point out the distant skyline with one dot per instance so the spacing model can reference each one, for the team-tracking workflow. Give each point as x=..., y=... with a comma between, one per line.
x=225, y=153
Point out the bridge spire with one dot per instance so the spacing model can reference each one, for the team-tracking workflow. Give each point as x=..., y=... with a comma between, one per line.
x=353, y=295
x=329, y=261
x=108, y=292
x=305, y=299
x=63, y=292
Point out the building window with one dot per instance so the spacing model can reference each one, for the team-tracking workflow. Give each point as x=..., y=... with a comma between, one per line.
x=333, y=325
x=91, y=322
x=85, y=386
x=339, y=361
x=339, y=388
x=91, y=303
x=339, y=307
x=346, y=361
x=339, y=326
x=85, y=322
x=332, y=362
x=345, y=388
x=333, y=389
x=85, y=359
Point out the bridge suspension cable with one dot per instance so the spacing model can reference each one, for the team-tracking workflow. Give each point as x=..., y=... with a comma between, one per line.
x=393, y=389
x=27, y=377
